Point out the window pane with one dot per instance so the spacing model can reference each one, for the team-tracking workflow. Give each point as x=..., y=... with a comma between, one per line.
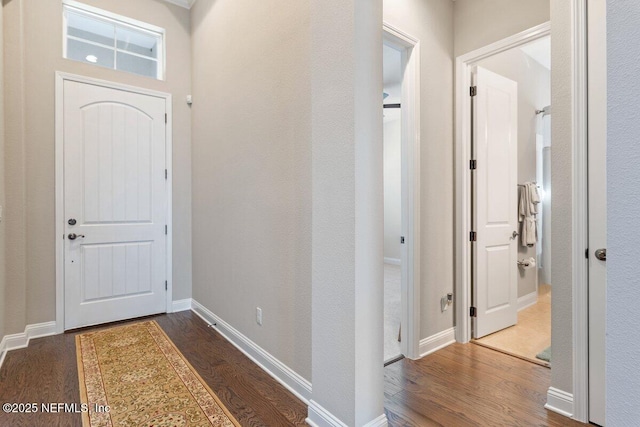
x=90, y=29
x=137, y=42
x=137, y=65
x=85, y=52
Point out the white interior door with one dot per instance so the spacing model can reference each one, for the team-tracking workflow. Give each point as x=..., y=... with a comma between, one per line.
x=597, y=206
x=115, y=204
x=495, y=147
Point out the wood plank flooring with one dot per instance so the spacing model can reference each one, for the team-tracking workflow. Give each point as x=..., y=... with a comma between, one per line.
x=457, y=386
x=46, y=372
x=469, y=385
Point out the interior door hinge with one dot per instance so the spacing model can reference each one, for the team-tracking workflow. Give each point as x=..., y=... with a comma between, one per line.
x=586, y=253
x=166, y=285
x=166, y=174
x=166, y=118
x=472, y=312
x=166, y=229
x=473, y=91
x=473, y=236
x=473, y=164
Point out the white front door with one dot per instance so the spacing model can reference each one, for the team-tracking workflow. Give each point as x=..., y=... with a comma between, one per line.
x=597, y=206
x=495, y=148
x=115, y=204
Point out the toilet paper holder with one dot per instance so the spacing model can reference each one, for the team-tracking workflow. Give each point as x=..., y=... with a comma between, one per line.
x=524, y=263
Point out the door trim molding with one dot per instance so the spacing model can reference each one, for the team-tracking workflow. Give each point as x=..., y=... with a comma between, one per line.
x=410, y=147
x=464, y=65
x=580, y=209
x=61, y=77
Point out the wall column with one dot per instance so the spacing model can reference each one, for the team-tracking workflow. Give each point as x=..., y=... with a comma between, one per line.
x=347, y=215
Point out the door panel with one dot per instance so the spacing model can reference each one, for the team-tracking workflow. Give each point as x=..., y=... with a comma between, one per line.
x=115, y=190
x=495, y=147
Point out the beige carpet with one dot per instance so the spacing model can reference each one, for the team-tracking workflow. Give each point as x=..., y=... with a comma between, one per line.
x=392, y=311
x=137, y=373
x=532, y=333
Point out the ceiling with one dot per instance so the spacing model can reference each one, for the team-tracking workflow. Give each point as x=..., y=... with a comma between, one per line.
x=539, y=51
x=184, y=3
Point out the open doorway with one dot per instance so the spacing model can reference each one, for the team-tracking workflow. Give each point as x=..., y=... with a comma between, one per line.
x=392, y=164
x=513, y=310
x=402, y=193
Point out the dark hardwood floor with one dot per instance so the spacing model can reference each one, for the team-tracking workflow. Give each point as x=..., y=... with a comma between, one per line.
x=46, y=371
x=458, y=386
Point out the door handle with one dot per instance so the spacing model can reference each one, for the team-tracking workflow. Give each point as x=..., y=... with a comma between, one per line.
x=514, y=235
x=601, y=254
x=74, y=236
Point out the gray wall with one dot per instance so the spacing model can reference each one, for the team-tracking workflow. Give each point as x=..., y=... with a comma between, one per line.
x=431, y=22
x=534, y=92
x=2, y=172
x=481, y=22
x=623, y=212
x=33, y=49
x=252, y=171
x=561, y=197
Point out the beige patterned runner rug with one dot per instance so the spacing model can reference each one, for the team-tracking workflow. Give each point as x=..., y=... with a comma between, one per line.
x=133, y=375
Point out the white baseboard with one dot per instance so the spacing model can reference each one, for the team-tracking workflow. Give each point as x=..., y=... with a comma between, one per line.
x=181, y=305
x=560, y=401
x=528, y=300
x=436, y=342
x=320, y=417
x=393, y=261
x=291, y=380
x=381, y=421
x=21, y=340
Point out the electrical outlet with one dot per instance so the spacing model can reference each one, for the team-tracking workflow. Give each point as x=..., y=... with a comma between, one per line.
x=259, y=316
x=445, y=302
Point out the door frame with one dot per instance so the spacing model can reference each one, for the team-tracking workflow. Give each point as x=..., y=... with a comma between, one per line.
x=464, y=66
x=576, y=405
x=410, y=148
x=60, y=78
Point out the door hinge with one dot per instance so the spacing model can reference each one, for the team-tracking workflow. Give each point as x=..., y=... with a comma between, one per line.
x=402, y=240
x=473, y=236
x=586, y=253
x=472, y=312
x=473, y=91
x=166, y=174
x=166, y=118
x=166, y=285
x=473, y=164
x=166, y=229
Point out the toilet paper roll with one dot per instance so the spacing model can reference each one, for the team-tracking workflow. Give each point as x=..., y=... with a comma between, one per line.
x=531, y=262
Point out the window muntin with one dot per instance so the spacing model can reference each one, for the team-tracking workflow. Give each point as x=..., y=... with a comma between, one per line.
x=102, y=38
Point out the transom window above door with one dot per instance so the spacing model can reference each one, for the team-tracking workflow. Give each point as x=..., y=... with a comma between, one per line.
x=108, y=40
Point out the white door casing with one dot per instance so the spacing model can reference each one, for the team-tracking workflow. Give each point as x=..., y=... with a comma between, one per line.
x=410, y=199
x=495, y=145
x=115, y=188
x=597, y=171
